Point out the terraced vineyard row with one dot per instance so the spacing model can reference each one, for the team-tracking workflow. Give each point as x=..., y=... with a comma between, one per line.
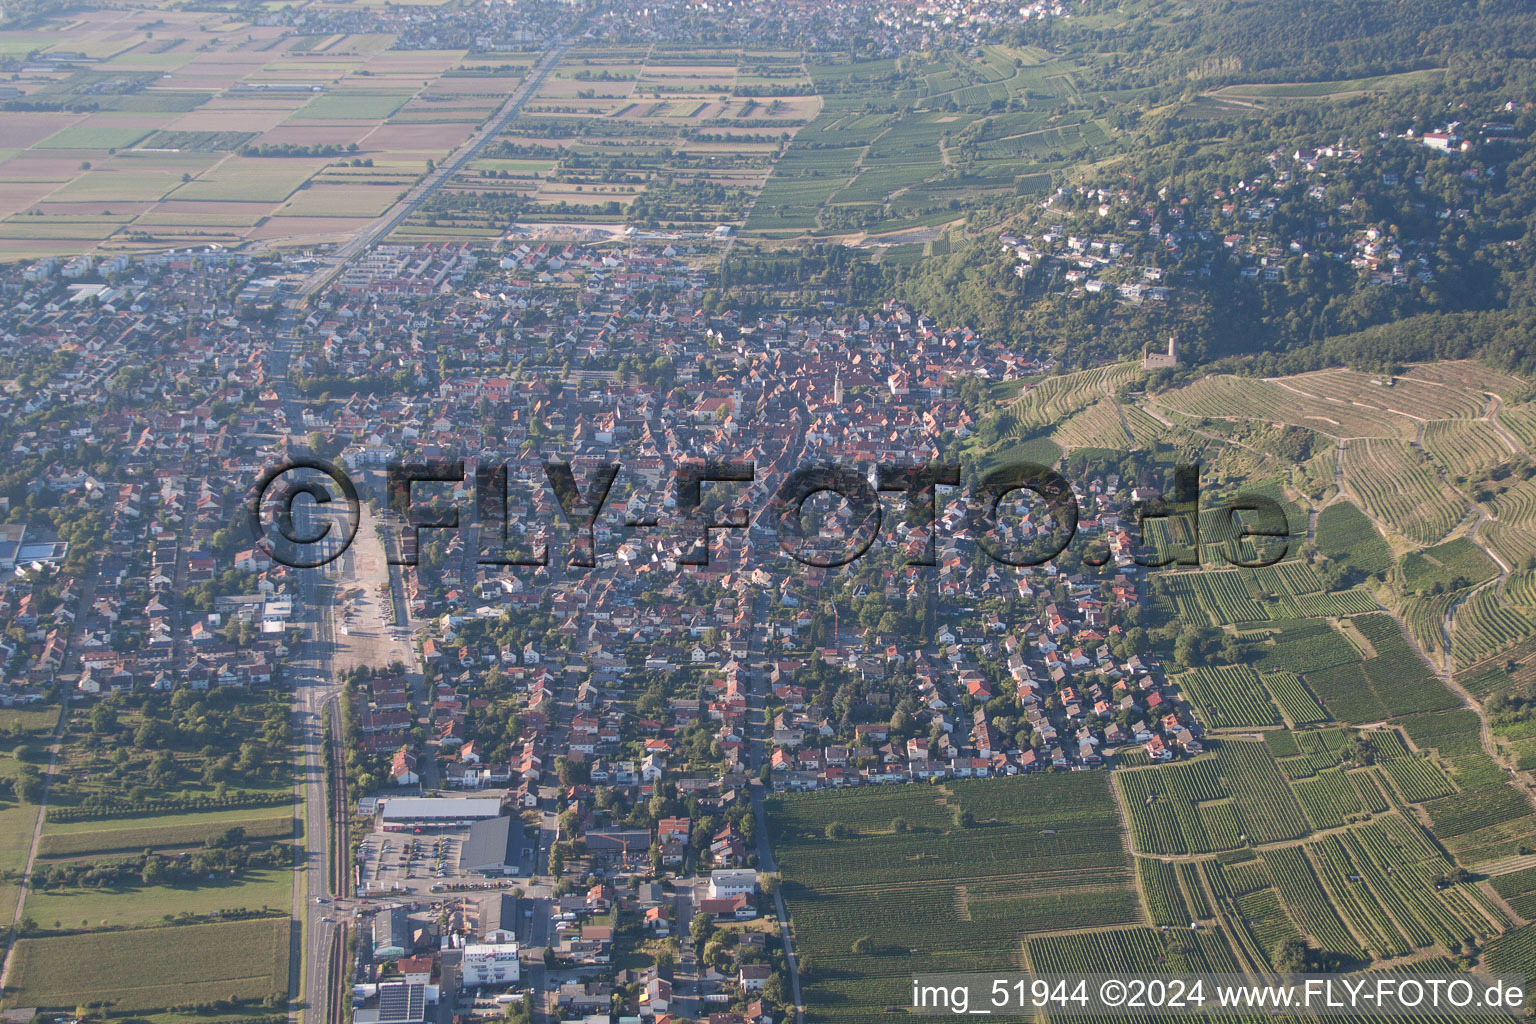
x=1229, y=696
x=1468, y=375
x=1486, y=623
x=1215, y=803
x=1465, y=445
x=1399, y=486
x=1514, y=544
x=1160, y=887
x=1307, y=902
x=1408, y=395
x=1294, y=699
x=1054, y=399
x=1520, y=420
x=1244, y=398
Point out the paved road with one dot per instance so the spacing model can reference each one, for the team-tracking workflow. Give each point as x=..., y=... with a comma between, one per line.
x=308, y=669
x=760, y=745
x=427, y=186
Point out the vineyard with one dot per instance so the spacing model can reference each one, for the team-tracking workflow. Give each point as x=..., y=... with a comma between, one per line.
x=1409, y=395
x=1194, y=891
x=1519, y=890
x=1221, y=802
x=1129, y=950
x=1451, y=565
x=1110, y=425
x=1417, y=779
x=1516, y=506
x=1514, y=544
x=1282, y=592
x=1229, y=696
x=1475, y=809
x=1309, y=905
x=1395, y=681
x=1043, y=852
x=1298, y=646
x=1467, y=375
x=1520, y=420
x=1245, y=398
x=1344, y=533
x=1160, y=890
x=1055, y=399
x=1295, y=701
x=1399, y=486
x=1328, y=798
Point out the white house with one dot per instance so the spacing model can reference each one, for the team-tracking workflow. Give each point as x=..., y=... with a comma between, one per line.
x=729, y=882
x=490, y=964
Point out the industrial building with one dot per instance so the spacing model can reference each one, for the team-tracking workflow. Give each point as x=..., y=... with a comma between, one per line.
x=404, y=813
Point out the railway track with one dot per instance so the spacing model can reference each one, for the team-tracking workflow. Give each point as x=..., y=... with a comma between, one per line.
x=336, y=978
x=340, y=860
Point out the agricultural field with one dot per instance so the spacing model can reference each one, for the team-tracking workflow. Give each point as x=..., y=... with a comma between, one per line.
x=146, y=825
x=152, y=968
x=1233, y=797
x=23, y=734
x=1344, y=533
x=138, y=906
x=656, y=138
x=1229, y=697
x=1037, y=852
x=138, y=150
x=1399, y=486
x=134, y=835
x=995, y=122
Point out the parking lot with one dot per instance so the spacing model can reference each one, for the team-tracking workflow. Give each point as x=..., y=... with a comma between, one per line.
x=393, y=862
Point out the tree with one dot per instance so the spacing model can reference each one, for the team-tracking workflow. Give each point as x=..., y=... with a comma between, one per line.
x=837, y=830
x=863, y=945
x=31, y=786
x=1292, y=957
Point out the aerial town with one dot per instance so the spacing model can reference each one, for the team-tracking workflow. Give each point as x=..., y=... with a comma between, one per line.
x=617, y=710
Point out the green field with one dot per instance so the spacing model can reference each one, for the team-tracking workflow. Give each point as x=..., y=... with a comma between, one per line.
x=352, y=105
x=140, y=906
x=111, y=837
x=94, y=133
x=153, y=968
x=16, y=824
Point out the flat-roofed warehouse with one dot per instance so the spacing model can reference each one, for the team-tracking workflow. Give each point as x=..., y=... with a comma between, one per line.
x=405, y=812
x=494, y=847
